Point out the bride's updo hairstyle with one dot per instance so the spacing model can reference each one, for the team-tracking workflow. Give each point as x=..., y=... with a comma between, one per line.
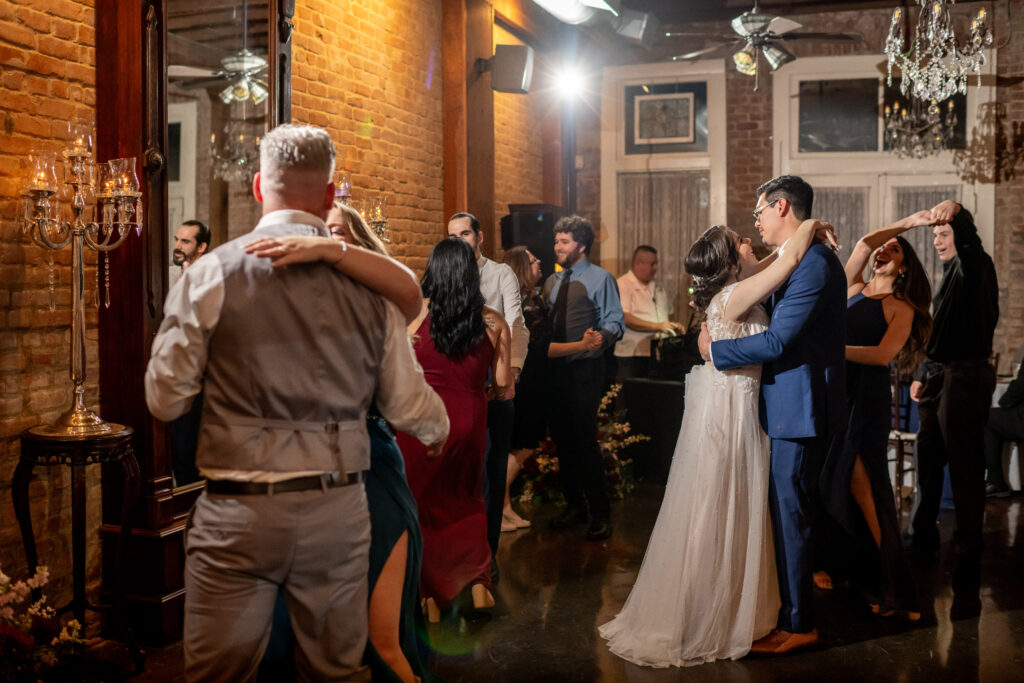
x=710, y=262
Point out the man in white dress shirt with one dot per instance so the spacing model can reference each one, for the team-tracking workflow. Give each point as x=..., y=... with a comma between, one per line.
x=646, y=308
x=289, y=360
x=500, y=287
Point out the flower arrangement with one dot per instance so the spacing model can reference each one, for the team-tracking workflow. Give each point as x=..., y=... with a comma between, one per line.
x=33, y=643
x=539, y=478
x=613, y=436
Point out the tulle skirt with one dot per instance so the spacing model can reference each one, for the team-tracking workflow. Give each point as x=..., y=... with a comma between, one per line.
x=708, y=586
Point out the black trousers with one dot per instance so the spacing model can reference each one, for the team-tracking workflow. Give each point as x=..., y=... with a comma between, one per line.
x=577, y=394
x=1004, y=424
x=184, y=441
x=953, y=411
x=500, y=418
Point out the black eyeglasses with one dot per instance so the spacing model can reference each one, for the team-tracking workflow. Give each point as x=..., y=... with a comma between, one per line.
x=757, y=212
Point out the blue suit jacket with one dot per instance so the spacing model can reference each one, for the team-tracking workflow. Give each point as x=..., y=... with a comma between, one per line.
x=803, y=392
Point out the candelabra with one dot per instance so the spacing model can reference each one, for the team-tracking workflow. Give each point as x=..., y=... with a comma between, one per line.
x=920, y=131
x=375, y=217
x=239, y=158
x=936, y=67
x=993, y=152
x=118, y=211
x=371, y=210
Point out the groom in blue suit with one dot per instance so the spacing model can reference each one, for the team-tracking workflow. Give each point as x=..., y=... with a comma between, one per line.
x=802, y=401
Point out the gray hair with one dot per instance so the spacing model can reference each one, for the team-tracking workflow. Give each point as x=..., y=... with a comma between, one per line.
x=293, y=148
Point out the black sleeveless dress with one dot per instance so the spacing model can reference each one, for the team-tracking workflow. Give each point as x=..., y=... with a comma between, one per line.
x=881, y=574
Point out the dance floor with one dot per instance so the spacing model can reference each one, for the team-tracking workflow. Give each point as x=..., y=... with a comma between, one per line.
x=556, y=588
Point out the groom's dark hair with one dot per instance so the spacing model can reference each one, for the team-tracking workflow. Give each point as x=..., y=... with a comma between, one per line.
x=794, y=190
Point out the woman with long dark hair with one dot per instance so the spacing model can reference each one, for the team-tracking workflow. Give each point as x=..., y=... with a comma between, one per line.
x=887, y=322
x=457, y=341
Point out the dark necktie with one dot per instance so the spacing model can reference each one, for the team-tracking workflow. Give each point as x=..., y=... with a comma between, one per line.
x=562, y=306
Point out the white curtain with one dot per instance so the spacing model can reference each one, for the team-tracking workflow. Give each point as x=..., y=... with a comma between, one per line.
x=668, y=211
x=846, y=208
x=912, y=199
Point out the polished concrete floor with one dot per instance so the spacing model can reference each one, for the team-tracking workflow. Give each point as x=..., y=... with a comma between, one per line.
x=556, y=588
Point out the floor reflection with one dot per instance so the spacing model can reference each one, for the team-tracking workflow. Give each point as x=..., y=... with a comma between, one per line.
x=556, y=588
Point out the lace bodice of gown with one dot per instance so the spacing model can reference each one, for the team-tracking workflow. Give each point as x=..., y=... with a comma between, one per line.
x=719, y=327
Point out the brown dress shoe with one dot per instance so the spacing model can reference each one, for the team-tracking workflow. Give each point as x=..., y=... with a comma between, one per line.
x=792, y=642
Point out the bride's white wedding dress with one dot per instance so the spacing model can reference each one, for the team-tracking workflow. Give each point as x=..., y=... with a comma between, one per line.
x=708, y=585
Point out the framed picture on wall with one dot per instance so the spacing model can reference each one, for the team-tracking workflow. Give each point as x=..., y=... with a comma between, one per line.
x=663, y=119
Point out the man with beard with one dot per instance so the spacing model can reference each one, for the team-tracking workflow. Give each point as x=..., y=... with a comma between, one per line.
x=584, y=301
x=191, y=241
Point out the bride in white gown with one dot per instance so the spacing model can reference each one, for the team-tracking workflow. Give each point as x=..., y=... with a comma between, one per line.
x=708, y=585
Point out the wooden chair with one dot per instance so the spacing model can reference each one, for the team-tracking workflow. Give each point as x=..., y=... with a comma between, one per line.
x=901, y=439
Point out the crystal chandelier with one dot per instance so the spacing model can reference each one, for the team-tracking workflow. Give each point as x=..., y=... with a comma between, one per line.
x=238, y=159
x=935, y=67
x=993, y=152
x=919, y=131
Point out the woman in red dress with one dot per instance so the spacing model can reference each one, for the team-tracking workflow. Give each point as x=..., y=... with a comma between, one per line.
x=457, y=341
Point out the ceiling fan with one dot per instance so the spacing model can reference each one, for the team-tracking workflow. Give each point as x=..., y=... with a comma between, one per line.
x=758, y=34
x=243, y=71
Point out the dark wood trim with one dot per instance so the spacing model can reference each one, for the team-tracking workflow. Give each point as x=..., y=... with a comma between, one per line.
x=453, y=115
x=480, y=122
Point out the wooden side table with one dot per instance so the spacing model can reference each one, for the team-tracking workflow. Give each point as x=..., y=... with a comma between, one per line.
x=40, y=448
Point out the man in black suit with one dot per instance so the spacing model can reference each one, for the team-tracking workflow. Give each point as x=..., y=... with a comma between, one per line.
x=1005, y=423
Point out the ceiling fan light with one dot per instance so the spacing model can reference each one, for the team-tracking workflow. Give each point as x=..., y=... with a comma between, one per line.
x=746, y=60
x=777, y=56
x=227, y=95
x=258, y=92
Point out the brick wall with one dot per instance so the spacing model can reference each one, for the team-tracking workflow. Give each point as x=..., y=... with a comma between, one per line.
x=46, y=78
x=361, y=72
x=1009, y=228
x=518, y=144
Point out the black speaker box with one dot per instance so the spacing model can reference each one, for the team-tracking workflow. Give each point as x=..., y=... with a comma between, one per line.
x=530, y=225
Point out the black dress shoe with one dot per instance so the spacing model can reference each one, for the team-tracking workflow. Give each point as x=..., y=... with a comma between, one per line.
x=569, y=518
x=598, y=530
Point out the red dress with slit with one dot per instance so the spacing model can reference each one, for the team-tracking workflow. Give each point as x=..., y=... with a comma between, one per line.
x=449, y=488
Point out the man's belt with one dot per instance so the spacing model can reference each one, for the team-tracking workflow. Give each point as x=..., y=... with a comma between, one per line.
x=257, y=488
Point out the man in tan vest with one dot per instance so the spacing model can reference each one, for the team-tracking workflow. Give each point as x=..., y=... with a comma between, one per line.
x=289, y=360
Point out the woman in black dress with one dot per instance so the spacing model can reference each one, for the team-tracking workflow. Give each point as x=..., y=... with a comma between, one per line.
x=887, y=321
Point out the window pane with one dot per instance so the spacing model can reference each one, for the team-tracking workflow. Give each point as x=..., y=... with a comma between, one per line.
x=839, y=115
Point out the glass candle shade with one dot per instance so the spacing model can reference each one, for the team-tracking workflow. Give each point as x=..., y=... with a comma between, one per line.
x=41, y=175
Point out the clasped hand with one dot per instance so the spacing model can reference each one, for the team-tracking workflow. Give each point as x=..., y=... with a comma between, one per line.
x=592, y=339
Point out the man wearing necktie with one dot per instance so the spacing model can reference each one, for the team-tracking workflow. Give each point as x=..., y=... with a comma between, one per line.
x=583, y=297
